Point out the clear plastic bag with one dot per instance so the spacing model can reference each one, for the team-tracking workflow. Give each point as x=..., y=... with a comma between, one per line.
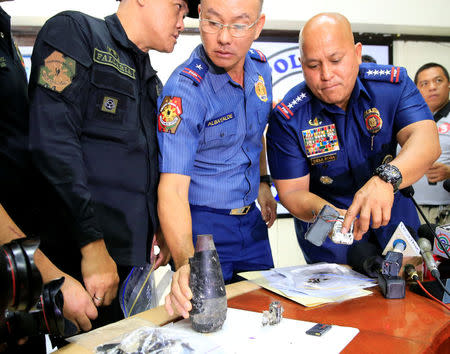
x=138, y=293
x=148, y=340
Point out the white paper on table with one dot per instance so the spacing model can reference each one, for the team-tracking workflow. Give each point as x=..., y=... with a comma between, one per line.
x=243, y=332
x=324, y=280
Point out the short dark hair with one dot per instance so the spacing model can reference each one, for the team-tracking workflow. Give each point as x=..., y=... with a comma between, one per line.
x=368, y=59
x=428, y=66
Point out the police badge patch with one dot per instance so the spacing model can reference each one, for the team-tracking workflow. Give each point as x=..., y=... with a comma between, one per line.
x=57, y=72
x=373, y=120
x=260, y=89
x=169, y=114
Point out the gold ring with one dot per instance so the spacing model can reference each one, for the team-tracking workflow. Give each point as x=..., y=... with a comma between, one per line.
x=98, y=298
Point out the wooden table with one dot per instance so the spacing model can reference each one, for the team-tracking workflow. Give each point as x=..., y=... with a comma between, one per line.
x=414, y=324
x=411, y=325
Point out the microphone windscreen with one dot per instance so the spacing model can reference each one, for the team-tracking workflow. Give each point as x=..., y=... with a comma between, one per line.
x=424, y=244
x=407, y=192
x=359, y=252
x=424, y=232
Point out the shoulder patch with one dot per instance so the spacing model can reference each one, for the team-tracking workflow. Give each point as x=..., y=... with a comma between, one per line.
x=195, y=70
x=386, y=73
x=291, y=103
x=57, y=72
x=169, y=117
x=257, y=55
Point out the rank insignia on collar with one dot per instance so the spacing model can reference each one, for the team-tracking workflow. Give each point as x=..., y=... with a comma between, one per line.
x=315, y=122
x=326, y=180
x=373, y=120
x=169, y=114
x=57, y=72
x=2, y=62
x=109, y=105
x=260, y=89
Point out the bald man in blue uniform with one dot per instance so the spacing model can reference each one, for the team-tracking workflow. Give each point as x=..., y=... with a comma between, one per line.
x=332, y=140
x=212, y=115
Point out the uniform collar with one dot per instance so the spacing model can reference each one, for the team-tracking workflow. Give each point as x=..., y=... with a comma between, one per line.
x=119, y=34
x=317, y=105
x=443, y=112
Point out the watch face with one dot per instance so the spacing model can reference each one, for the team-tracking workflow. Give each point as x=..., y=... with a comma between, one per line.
x=390, y=174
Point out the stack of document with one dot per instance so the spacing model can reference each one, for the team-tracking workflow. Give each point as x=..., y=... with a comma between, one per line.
x=313, y=284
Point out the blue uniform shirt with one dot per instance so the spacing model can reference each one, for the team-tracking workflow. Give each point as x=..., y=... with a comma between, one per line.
x=210, y=128
x=341, y=149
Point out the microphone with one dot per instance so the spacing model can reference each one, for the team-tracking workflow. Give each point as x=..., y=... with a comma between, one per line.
x=425, y=249
x=408, y=192
x=411, y=272
x=425, y=232
x=393, y=260
x=364, y=258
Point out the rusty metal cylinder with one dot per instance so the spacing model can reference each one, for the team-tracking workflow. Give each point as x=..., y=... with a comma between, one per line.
x=209, y=300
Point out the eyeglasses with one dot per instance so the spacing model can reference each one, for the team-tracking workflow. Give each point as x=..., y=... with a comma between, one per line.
x=438, y=81
x=236, y=29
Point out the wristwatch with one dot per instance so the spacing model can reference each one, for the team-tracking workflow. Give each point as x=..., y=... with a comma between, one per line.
x=390, y=174
x=266, y=179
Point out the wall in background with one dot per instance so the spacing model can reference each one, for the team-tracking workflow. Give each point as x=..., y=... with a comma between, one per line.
x=413, y=54
x=382, y=16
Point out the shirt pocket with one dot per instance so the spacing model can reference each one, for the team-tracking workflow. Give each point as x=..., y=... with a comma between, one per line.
x=112, y=108
x=220, y=140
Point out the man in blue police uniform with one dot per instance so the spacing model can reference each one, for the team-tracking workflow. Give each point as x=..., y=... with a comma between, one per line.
x=332, y=139
x=93, y=99
x=16, y=192
x=212, y=115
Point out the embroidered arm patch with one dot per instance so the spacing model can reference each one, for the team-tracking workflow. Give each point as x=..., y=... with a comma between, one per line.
x=57, y=72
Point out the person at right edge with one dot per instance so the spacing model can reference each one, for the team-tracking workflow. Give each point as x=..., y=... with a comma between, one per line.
x=433, y=83
x=332, y=140
x=93, y=95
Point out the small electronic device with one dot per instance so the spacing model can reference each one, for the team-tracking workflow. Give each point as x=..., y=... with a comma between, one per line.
x=337, y=236
x=318, y=329
x=328, y=223
x=322, y=226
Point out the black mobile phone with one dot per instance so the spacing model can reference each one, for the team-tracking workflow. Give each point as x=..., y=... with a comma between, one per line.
x=318, y=329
